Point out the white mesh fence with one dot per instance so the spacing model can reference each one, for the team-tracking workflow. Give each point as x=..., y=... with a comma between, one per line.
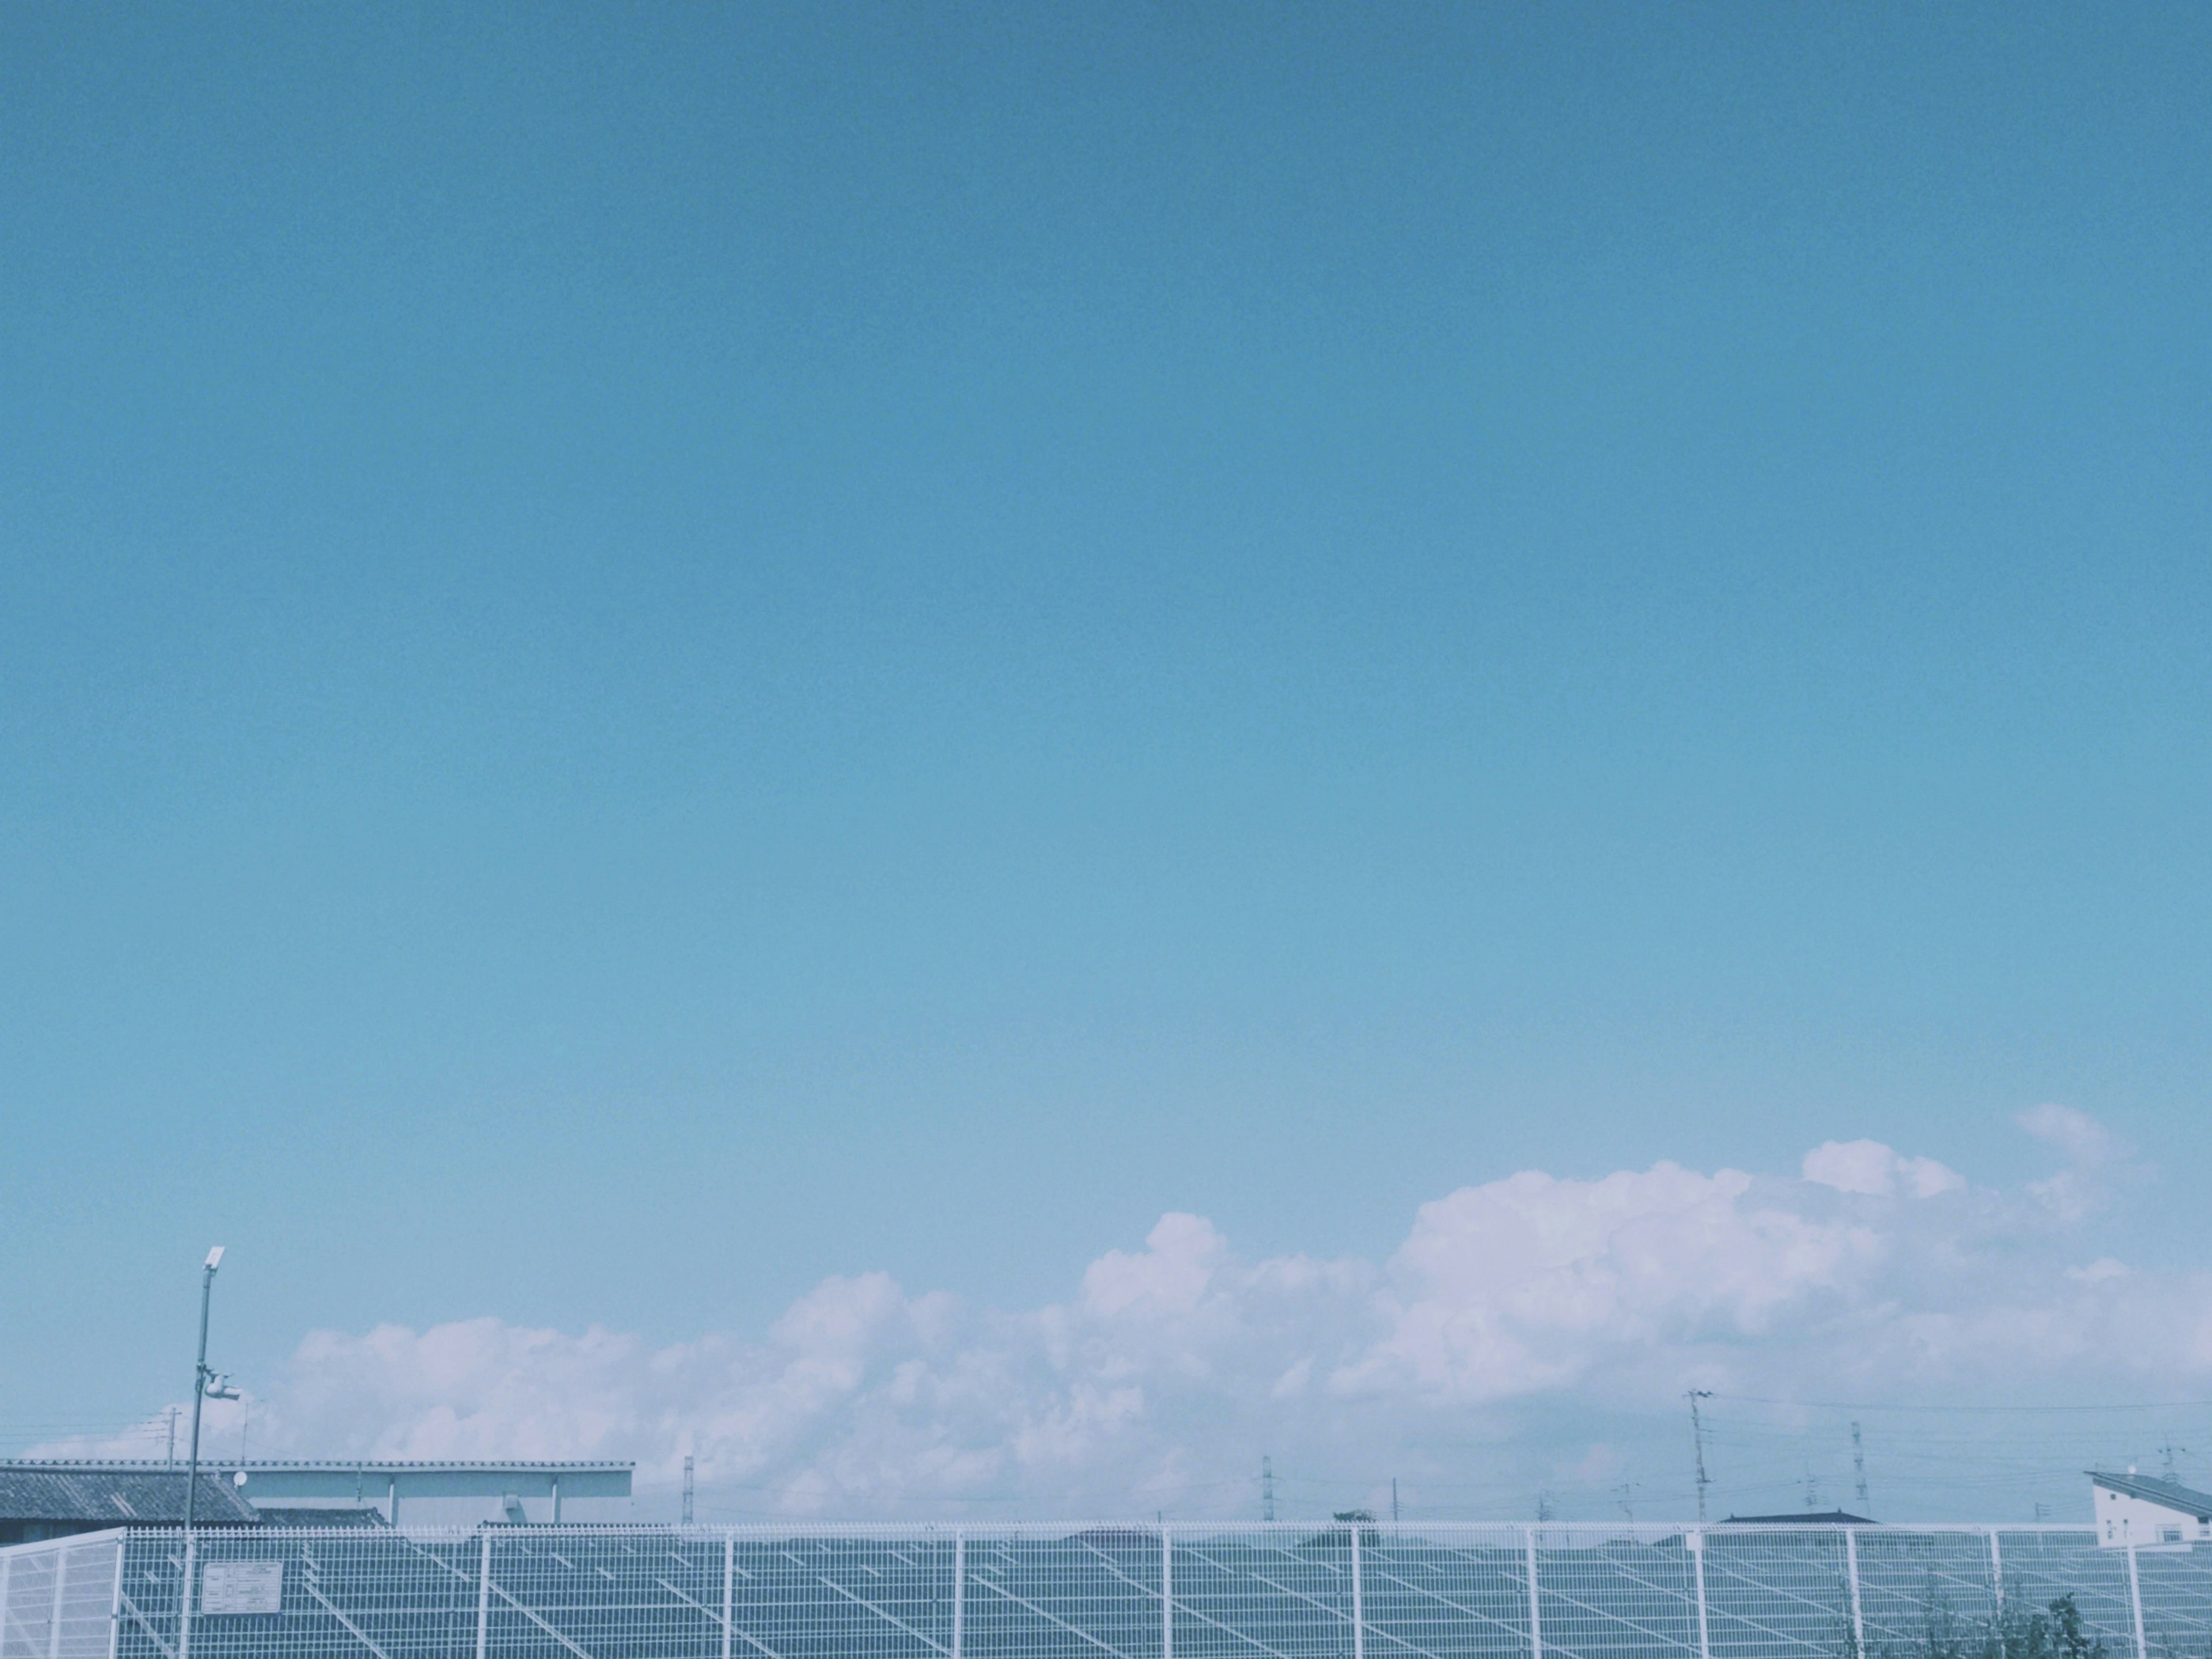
x=1184, y=1591
x=57, y=1598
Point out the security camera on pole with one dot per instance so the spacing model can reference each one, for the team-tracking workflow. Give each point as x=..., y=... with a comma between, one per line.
x=206, y=1385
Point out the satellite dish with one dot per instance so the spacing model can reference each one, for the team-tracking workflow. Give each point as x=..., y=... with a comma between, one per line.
x=237, y=1480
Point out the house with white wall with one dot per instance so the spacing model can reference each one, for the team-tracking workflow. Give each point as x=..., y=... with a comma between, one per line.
x=2135, y=1510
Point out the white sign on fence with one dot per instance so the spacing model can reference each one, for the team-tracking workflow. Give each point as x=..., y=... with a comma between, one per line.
x=242, y=1587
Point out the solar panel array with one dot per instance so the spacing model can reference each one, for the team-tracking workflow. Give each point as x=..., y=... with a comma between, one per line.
x=1185, y=1591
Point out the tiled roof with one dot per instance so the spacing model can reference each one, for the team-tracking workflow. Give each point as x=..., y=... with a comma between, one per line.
x=1809, y=1518
x=378, y=1464
x=314, y=1517
x=140, y=1498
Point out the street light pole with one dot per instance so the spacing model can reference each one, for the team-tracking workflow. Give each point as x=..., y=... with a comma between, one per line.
x=200, y=1385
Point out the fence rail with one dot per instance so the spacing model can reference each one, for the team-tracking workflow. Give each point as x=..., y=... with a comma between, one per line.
x=1178, y=1591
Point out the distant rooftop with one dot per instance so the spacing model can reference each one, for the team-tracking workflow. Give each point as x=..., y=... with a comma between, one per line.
x=138, y=1496
x=320, y=1464
x=2170, y=1493
x=323, y=1517
x=1802, y=1518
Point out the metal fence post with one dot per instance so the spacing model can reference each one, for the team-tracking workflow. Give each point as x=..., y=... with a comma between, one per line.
x=1358, y=1612
x=54, y=1625
x=1698, y=1566
x=1997, y=1573
x=7, y=1572
x=184, y=1596
x=1858, y=1617
x=729, y=1595
x=1167, y=1595
x=2135, y=1599
x=959, y=1590
x=1535, y=1618
x=114, y=1602
x=483, y=1595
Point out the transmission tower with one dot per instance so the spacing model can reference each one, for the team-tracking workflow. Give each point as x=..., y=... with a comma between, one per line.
x=1698, y=1440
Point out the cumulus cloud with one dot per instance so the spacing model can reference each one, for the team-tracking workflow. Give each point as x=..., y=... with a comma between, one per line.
x=1870, y=1167
x=2091, y=1152
x=2086, y=1143
x=1168, y=1368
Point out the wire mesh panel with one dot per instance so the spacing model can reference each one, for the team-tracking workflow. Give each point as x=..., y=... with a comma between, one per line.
x=27, y=1603
x=630, y=1594
x=1779, y=1593
x=1455, y=1593
x=261, y=1593
x=2177, y=1602
x=874, y=1596
x=56, y=1597
x=83, y=1627
x=150, y=1595
x=1187, y=1591
x=1608, y=1593
x=1093, y=1591
x=1281, y=1591
x=1925, y=1592
x=2040, y=1566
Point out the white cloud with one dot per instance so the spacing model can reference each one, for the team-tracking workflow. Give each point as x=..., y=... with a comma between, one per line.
x=1529, y=1283
x=2090, y=1150
x=2085, y=1143
x=1870, y=1167
x=1511, y=1305
x=2097, y=1271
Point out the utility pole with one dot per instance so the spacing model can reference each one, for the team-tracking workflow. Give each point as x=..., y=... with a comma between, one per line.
x=1266, y=1488
x=1543, y=1506
x=170, y=1461
x=1698, y=1439
x=1393, y=1500
x=1625, y=1493
x=1858, y=1466
x=202, y=1376
x=687, y=1489
x=1812, y=1490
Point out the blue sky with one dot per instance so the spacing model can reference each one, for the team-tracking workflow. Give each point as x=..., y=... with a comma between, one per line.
x=649, y=656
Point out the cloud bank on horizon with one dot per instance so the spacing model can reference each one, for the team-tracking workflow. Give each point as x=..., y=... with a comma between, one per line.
x=1514, y=1314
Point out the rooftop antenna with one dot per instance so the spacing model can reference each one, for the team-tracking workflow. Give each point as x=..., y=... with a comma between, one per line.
x=687, y=1489
x=1858, y=1466
x=1698, y=1439
x=1266, y=1488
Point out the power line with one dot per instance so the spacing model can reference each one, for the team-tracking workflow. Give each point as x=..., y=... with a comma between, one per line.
x=1862, y=1406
